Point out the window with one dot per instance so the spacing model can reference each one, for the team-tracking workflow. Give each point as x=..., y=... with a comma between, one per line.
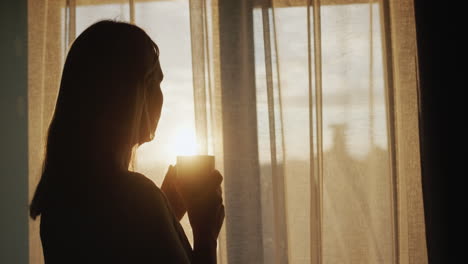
x=305, y=134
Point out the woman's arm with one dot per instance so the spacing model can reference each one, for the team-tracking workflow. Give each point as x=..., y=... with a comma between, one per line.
x=169, y=188
x=206, y=216
x=205, y=236
x=205, y=211
x=204, y=251
x=155, y=237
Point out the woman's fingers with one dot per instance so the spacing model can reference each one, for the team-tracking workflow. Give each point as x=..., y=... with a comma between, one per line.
x=221, y=211
x=218, y=178
x=214, y=181
x=221, y=215
x=169, y=179
x=214, y=200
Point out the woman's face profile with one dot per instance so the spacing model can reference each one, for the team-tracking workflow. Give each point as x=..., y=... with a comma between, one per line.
x=155, y=97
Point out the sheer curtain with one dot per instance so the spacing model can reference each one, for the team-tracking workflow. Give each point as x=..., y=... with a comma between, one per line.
x=309, y=106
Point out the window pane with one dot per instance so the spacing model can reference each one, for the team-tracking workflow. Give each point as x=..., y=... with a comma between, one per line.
x=357, y=209
x=89, y=12
x=357, y=196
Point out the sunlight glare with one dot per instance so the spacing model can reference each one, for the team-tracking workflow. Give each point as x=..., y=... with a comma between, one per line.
x=185, y=143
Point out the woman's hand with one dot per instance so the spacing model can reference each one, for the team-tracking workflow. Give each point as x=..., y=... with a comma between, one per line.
x=169, y=188
x=206, y=210
x=205, y=207
x=206, y=215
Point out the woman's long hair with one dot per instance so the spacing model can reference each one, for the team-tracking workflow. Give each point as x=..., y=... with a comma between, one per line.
x=101, y=113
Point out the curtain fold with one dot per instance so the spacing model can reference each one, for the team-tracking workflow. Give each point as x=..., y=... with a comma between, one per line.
x=277, y=160
x=309, y=107
x=409, y=203
x=45, y=50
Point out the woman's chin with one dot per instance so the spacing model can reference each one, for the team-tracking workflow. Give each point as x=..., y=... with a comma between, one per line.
x=147, y=139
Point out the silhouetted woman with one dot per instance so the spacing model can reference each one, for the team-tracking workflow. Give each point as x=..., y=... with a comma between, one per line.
x=93, y=209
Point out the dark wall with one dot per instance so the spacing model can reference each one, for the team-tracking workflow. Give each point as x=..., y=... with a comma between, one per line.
x=429, y=38
x=13, y=132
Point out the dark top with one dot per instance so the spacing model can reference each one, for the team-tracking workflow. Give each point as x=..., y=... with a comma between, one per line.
x=120, y=219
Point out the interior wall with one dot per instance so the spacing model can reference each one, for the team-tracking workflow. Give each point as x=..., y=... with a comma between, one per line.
x=13, y=133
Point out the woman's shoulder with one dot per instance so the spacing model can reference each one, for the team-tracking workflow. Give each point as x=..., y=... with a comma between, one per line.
x=147, y=199
x=140, y=180
x=143, y=187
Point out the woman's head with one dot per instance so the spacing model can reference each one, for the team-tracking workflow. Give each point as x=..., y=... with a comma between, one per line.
x=109, y=94
x=109, y=100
